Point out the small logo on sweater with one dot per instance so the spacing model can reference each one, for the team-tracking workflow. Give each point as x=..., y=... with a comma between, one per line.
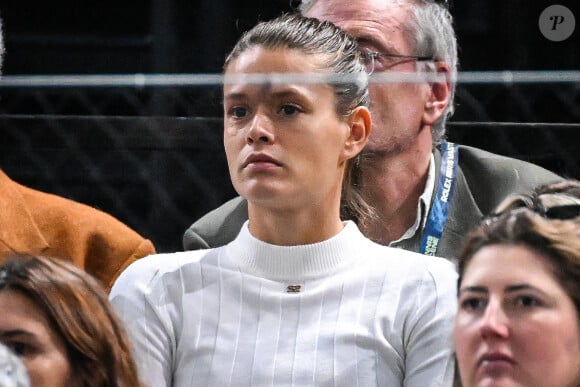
x=293, y=289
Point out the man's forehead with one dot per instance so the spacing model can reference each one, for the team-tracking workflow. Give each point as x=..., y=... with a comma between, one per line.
x=377, y=23
x=356, y=8
x=355, y=15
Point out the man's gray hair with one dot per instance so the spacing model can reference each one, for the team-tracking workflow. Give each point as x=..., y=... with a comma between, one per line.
x=431, y=33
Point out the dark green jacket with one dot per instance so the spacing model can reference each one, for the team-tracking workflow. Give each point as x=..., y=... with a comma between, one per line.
x=483, y=180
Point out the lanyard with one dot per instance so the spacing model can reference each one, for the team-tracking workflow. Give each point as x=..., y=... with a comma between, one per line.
x=439, y=211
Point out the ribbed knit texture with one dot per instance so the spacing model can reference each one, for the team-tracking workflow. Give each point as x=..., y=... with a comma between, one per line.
x=360, y=314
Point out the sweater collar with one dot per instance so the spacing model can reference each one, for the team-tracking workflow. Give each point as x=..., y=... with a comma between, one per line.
x=295, y=262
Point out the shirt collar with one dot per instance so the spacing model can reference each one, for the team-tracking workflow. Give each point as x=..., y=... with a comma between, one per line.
x=423, y=205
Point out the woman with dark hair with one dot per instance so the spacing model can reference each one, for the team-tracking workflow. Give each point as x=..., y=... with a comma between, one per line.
x=300, y=297
x=58, y=320
x=519, y=293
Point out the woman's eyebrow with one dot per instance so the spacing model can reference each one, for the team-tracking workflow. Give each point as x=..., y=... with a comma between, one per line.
x=507, y=289
x=524, y=286
x=11, y=333
x=280, y=91
x=286, y=92
x=234, y=96
x=473, y=289
x=518, y=287
x=265, y=87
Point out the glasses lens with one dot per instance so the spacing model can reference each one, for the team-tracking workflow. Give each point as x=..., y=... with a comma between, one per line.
x=445, y=3
x=563, y=212
x=368, y=60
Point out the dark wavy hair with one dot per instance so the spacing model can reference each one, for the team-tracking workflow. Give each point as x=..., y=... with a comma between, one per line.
x=79, y=312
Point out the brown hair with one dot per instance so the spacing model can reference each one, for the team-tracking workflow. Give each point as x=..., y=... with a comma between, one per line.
x=79, y=311
x=547, y=221
x=342, y=57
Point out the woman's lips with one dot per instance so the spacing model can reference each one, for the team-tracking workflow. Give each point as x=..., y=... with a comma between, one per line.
x=495, y=363
x=260, y=161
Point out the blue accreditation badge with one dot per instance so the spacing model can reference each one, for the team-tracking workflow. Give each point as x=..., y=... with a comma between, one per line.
x=440, y=209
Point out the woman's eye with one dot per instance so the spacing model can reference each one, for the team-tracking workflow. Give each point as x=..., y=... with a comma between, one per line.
x=289, y=110
x=526, y=301
x=20, y=349
x=238, y=112
x=473, y=304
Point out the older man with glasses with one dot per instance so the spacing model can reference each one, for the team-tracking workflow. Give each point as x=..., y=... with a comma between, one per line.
x=427, y=193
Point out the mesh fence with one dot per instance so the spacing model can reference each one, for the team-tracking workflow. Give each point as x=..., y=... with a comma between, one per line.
x=148, y=149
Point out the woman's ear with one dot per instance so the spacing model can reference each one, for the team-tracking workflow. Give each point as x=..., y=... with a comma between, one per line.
x=360, y=128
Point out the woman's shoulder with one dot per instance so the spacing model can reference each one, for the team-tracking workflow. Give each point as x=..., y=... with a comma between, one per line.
x=152, y=270
x=404, y=264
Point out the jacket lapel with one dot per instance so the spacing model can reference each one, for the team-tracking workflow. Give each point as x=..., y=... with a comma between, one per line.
x=463, y=212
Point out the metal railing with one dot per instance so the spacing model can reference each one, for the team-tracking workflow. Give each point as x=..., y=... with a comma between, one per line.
x=148, y=148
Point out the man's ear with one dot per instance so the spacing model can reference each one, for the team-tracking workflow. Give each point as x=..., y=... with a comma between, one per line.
x=439, y=95
x=360, y=129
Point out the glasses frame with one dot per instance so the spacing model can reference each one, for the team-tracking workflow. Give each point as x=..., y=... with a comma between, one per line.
x=373, y=55
x=561, y=212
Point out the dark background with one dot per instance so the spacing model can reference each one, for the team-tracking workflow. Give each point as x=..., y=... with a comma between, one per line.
x=153, y=36
x=153, y=157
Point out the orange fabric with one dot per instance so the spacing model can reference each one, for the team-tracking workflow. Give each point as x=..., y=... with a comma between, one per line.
x=38, y=223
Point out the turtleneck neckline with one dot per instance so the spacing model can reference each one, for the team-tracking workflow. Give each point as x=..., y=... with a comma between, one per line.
x=299, y=262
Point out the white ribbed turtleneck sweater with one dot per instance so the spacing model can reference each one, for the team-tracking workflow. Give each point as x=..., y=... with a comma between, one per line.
x=342, y=312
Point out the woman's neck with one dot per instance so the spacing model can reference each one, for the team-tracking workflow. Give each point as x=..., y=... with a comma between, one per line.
x=291, y=227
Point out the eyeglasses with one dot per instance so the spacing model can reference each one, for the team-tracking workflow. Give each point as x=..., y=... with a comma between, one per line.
x=563, y=212
x=446, y=3
x=382, y=61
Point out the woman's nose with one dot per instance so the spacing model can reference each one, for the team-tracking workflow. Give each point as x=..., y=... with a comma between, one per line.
x=494, y=322
x=261, y=130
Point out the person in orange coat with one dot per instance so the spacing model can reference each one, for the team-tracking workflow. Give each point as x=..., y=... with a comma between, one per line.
x=38, y=223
